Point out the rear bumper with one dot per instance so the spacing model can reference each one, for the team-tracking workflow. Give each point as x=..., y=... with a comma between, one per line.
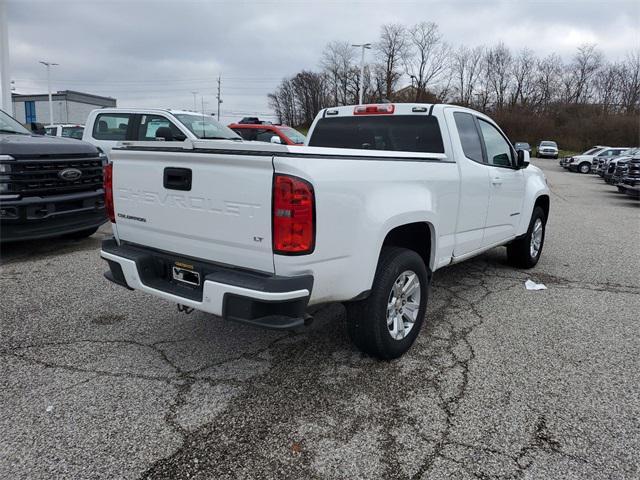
x=41, y=217
x=260, y=299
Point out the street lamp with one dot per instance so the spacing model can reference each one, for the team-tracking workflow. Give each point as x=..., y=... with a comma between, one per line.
x=364, y=46
x=49, y=65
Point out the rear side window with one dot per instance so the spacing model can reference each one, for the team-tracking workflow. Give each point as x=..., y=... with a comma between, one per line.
x=469, y=137
x=111, y=126
x=72, y=132
x=399, y=133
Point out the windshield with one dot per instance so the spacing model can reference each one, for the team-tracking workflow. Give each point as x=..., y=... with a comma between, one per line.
x=9, y=125
x=592, y=151
x=293, y=135
x=205, y=127
x=522, y=144
x=548, y=144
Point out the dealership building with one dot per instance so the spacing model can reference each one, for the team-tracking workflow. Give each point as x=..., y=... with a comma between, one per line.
x=68, y=107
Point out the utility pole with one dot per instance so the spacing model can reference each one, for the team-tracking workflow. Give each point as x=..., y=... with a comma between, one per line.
x=195, y=107
x=364, y=46
x=49, y=65
x=218, y=97
x=5, y=86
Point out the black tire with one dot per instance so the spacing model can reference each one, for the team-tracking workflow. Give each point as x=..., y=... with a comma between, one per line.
x=367, y=319
x=584, y=167
x=519, y=251
x=82, y=233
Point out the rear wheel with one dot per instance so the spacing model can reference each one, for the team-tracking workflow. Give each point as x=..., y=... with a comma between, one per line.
x=388, y=321
x=525, y=252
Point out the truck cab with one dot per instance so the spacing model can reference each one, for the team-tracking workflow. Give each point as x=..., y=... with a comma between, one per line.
x=107, y=127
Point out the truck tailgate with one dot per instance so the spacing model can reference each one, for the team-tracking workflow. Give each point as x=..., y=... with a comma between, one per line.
x=210, y=206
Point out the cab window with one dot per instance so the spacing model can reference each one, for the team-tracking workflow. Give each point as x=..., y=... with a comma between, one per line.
x=111, y=126
x=469, y=137
x=149, y=125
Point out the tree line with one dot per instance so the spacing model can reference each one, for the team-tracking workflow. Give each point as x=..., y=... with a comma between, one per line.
x=578, y=102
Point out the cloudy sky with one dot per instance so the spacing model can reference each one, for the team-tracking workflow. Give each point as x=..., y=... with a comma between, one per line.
x=155, y=53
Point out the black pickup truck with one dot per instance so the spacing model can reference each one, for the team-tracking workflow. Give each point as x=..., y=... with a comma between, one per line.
x=49, y=186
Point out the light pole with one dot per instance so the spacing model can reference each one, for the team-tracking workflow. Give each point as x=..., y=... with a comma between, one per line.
x=364, y=46
x=49, y=65
x=5, y=88
x=195, y=106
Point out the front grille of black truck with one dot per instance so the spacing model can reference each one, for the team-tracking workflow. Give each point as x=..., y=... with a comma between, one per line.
x=42, y=175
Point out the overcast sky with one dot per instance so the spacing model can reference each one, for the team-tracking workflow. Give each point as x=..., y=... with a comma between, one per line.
x=155, y=53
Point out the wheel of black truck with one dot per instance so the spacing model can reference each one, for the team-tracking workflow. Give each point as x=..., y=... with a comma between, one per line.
x=387, y=323
x=525, y=252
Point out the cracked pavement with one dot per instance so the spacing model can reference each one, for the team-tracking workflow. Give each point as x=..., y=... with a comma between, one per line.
x=100, y=382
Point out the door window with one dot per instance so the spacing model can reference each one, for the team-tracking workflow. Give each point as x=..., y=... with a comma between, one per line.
x=469, y=137
x=51, y=131
x=149, y=125
x=111, y=126
x=265, y=135
x=499, y=151
x=246, y=133
x=73, y=132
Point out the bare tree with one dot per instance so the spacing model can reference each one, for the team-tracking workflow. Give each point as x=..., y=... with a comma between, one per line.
x=338, y=62
x=466, y=65
x=548, y=80
x=498, y=61
x=522, y=70
x=586, y=63
x=391, y=50
x=630, y=83
x=426, y=56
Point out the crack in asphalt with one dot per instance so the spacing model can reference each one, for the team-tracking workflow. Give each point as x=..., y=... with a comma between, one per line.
x=214, y=447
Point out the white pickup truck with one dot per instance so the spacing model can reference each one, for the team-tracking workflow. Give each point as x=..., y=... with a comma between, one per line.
x=380, y=198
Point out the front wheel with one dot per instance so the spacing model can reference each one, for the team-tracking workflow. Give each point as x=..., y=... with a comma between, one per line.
x=585, y=167
x=388, y=321
x=525, y=252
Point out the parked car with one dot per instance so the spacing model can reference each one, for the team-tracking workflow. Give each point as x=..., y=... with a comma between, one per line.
x=268, y=133
x=611, y=166
x=547, y=149
x=48, y=186
x=523, y=146
x=598, y=164
x=402, y=190
x=106, y=127
x=582, y=162
x=65, y=130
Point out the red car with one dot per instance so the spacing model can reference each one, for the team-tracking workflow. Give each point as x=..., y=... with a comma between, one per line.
x=268, y=133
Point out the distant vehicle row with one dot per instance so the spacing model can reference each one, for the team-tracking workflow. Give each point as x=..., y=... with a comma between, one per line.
x=617, y=166
x=545, y=149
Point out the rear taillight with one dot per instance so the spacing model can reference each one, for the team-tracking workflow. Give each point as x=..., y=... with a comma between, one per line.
x=384, y=109
x=293, y=215
x=108, y=192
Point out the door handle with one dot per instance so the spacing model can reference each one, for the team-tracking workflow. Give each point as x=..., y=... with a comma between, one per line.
x=177, y=178
x=496, y=181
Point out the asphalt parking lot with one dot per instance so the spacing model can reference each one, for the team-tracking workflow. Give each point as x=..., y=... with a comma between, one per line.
x=100, y=382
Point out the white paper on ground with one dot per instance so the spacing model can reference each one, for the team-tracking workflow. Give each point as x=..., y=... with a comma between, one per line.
x=531, y=285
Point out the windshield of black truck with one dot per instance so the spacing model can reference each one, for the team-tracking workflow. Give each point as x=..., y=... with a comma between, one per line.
x=398, y=133
x=9, y=125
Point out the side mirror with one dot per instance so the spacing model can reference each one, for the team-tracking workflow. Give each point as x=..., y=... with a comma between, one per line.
x=164, y=133
x=522, y=160
x=275, y=139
